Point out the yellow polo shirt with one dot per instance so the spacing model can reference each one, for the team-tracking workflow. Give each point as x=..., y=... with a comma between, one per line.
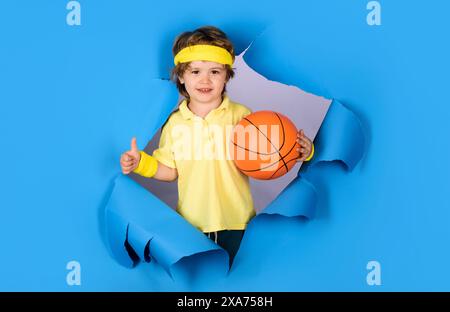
x=213, y=194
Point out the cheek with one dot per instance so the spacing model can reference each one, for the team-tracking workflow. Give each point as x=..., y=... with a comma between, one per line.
x=219, y=81
x=188, y=84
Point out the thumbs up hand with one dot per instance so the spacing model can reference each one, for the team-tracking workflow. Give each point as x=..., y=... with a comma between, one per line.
x=129, y=160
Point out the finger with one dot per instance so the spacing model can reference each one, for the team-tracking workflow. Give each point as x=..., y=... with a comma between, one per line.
x=134, y=147
x=126, y=158
x=127, y=165
x=300, y=151
x=303, y=152
x=302, y=137
x=132, y=154
x=300, y=133
x=128, y=168
x=127, y=162
x=304, y=142
x=307, y=153
x=129, y=156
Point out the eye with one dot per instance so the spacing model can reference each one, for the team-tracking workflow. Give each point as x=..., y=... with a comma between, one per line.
x=215, y=72
x=195, y=72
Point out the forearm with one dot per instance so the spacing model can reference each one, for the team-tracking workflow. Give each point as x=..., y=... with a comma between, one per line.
x=165, y=173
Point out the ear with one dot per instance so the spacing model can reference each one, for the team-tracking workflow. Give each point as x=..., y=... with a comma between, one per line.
x=181, y=80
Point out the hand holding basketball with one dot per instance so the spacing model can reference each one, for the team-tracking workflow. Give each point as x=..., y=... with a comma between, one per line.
x=305, y=146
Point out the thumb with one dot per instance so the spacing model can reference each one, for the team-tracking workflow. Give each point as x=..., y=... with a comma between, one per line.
x=134, y=147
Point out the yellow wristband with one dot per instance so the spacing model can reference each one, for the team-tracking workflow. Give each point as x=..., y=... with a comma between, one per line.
x=148, y=165
x=312, y=153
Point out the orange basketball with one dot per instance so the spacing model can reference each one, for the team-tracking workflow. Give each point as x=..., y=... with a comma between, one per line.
x=264, y=145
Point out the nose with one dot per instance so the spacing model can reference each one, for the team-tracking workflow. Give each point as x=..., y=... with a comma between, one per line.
x=205, y=78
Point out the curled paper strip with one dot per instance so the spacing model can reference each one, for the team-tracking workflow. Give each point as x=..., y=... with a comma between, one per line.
x=140, y=227
x=340, y=137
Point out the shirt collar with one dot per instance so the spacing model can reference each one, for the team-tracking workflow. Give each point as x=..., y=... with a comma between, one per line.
x=188, y=114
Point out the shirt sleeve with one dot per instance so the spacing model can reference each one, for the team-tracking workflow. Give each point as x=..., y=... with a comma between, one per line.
x=164, y=153
x=247, y=111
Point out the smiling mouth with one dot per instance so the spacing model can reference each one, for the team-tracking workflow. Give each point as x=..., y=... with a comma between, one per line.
x=204, y=90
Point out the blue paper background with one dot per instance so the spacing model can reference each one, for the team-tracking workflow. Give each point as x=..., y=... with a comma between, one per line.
x=71, y=97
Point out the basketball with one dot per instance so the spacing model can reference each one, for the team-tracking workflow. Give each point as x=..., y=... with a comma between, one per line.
x=264, y=145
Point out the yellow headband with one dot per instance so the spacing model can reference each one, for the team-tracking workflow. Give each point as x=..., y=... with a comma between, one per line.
x=204, y=52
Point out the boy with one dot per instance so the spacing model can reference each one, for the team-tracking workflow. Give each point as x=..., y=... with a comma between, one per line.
x=214, y=195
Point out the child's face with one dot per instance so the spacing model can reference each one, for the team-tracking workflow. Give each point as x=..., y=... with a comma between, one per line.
x=204, y=81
